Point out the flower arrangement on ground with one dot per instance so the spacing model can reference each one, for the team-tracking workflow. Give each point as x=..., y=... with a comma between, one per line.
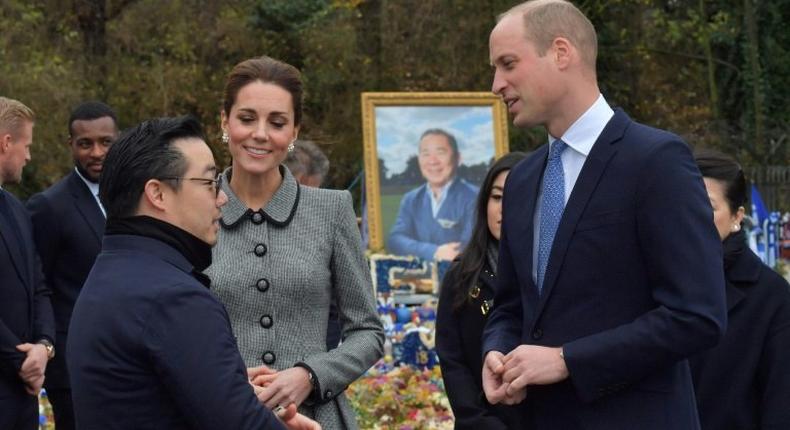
x=401, y=398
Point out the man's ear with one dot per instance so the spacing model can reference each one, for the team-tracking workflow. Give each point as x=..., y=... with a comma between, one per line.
x=154, y=194
x=5, y=142
x=562, y=50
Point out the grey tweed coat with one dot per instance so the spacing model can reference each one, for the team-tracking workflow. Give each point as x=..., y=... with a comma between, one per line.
x=277, y=269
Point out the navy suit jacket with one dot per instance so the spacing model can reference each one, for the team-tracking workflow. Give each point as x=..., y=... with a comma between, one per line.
x=634, y=283
x=152, y=347
x=417, y=232
x=68, y=226
x=25, y=310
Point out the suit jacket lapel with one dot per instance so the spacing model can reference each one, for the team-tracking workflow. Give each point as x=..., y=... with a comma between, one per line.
x=522, y=226
x=594, y=166
x=87, y=206
x=14, y=250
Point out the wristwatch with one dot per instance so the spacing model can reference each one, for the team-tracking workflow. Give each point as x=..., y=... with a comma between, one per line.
x=50, y=348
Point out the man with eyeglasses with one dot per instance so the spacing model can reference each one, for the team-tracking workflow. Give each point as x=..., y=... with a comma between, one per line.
x=68, y=224
x=155, y=346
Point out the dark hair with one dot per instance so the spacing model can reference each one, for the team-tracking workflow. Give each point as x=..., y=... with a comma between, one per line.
x=142, y=153
x=717, y=165
x=91, y=110
x=307, y=159
x=450, y=139
x=269, y=71
x=474, y=255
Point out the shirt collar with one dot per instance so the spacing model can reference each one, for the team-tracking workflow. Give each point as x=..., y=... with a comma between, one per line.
x=94, y=187
x=442, y=191
x=583, y=133
x=437, y=202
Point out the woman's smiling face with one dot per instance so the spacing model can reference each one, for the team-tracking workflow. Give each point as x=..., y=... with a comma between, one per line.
x=260, y=127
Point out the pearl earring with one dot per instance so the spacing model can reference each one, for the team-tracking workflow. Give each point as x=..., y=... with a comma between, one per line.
x=736, y=227
x=225, y=137
x=291, y=146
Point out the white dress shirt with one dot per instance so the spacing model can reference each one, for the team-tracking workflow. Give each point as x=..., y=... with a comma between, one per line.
x=436, y=202
x=94, y=189
x=580, y=138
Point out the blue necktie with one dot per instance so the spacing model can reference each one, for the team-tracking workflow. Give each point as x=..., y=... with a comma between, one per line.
x=551, y=208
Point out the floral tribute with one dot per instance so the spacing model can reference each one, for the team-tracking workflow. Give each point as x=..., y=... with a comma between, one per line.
x=400, y=398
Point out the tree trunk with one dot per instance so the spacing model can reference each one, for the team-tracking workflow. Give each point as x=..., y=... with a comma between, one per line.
x=712, y=87
x=755, y=78
x=92, y=22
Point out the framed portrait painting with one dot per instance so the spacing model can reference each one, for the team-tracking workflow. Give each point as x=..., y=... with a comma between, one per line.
x=426, y=155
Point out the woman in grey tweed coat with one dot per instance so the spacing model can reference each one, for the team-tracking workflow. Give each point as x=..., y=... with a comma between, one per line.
x=285, y=252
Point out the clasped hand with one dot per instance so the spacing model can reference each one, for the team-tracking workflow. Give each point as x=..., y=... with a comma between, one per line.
x=283, y=392
x=33, y=367
x=505, y=377
x=281, y=388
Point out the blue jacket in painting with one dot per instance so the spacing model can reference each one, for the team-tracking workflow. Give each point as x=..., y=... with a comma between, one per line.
x=417, y=232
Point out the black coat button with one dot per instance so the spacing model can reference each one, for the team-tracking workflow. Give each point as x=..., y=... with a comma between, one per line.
x=262, y=285
x=328, y=394
x=260, y=250
x=257, y=218
x=268, y=357
x=266, y=321
x=537, y=334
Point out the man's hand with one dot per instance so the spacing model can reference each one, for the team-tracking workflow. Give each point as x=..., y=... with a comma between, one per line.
x=289, y=386
x=296, y=421
x=34, y=366
x=448, y=251
x=532, y=365
x=255, y=372
x=494, y=386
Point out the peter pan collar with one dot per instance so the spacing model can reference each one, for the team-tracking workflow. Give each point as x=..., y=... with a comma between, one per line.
x=279, y=211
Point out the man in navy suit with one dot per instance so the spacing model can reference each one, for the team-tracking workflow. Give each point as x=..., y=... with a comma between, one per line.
x=68, y=224
x=27, y=332
x=155, y=348
x=610, y=273
x=435, y=220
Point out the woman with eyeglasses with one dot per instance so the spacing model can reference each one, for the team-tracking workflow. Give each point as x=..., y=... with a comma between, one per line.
x=285, y=252
x=743, y=382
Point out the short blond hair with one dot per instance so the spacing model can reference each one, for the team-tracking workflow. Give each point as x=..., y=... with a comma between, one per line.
x=545, y=20
x=12, y=114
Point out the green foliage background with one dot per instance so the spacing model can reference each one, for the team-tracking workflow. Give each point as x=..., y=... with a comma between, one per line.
x=714, y=71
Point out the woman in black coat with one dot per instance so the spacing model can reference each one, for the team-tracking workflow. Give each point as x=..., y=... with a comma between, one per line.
x=465, y=301
x=744, y=382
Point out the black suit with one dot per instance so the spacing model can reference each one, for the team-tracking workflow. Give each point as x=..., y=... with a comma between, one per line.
x=68, y=225
x=25, y=312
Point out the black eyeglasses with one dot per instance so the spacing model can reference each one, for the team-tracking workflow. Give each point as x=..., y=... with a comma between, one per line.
x=212, y=183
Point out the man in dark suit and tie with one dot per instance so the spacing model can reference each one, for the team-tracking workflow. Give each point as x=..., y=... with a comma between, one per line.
x=155, y=348
x=27, y=332
x=68, y=224
x=610, y=273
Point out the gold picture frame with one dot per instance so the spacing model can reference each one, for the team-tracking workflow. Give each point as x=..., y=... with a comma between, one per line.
x=477, y=119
